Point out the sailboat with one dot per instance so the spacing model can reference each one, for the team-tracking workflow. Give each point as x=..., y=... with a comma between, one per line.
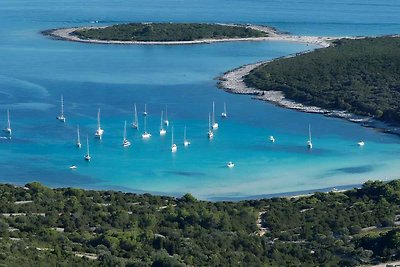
x=166, y=121
x=174, y=147
x=224, y=114
x=125, y=142
x=99, y=131
x=361, y=143
x=185, y=141
x=8, y=127
x=210, y=133
x=162, y=130
x=214, y=123
x=62, y=117
x=309, y=142
x=87, y=156
x=145, y=134
x=145, y=110
x=78, y=140
x=135, y=123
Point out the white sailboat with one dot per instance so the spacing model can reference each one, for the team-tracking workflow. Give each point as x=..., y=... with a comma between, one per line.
x=230, y=164
x=8, y=126
x=309, y=142
x=135, y=123
x=162, y=130
x=210, y=133
x=87, y=156
x=145, y=134
x=99, y=131
x=361, y=143
x=78, y=140
x=174, y=147
x=166, y=121
x=224, y=114
x=145, y=110
x=214, y=123
x=62, y=117
x=185, y=141
x=125, y=142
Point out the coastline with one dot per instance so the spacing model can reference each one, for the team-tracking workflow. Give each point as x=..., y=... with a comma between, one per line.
x=232, y=82
x=273, y=35
x=212, y=197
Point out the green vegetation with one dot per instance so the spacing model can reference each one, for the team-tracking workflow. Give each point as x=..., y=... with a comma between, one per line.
x=54, y=227
x=162, y=32
x=360, y=76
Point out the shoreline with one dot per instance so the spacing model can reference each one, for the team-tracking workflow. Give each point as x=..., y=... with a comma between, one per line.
x=213, y=197
x=273, y=35
x=232, y=82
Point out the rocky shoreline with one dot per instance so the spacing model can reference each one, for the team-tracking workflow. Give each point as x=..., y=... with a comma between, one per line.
x=232, y=82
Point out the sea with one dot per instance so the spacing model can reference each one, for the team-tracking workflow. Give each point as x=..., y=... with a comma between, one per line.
x=36, y=70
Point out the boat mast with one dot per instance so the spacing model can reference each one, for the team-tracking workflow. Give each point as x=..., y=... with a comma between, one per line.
x=79, y=138
x=87, y=146
x=161, y=122
x=166, y=113
x=125, y=131
x=136, y=119
x=172, y=139
x=145, y=125
x=309, y=132
x=8, y=119
x=225, y=108
x=209, y=122
x=213, y=116
x=98, y=119
x=62, y=106
x=184, y=135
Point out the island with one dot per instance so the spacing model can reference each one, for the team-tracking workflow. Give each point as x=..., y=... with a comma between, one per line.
x=352, y=76
x=164, y=32
x=177, y=34
x=40, y=226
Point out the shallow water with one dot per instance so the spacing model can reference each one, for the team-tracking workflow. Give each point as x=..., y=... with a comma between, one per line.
x=35, y=71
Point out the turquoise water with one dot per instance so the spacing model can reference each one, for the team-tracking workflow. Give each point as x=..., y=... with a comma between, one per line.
x=35, y=71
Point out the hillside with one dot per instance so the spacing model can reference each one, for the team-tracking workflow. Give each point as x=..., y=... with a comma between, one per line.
x=360, y=76
x=47, y=227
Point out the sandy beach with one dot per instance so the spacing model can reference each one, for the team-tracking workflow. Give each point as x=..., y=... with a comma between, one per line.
x=273, y=35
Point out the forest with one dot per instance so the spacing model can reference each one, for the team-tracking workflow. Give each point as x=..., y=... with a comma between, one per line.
x=163, y=32
x=361, y=76
x=40, y=226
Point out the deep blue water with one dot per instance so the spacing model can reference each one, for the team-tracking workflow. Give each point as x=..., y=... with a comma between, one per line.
x=35, y=71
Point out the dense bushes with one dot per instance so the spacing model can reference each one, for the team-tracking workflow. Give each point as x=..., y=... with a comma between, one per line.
x=360, y=76
x=167, y=32
x=124, y=229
